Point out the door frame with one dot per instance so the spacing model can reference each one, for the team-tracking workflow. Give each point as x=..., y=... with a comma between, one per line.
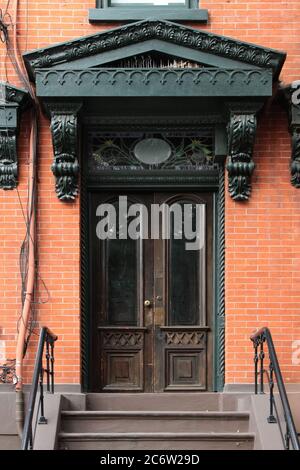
x=197, y=181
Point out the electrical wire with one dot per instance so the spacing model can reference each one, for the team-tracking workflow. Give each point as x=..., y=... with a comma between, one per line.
x=12, y=52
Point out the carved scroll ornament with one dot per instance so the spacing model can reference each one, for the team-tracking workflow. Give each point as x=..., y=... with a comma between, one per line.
x=240, y=166
x=65, y=166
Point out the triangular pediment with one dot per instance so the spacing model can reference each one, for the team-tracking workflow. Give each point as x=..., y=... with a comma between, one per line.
x=153, y=37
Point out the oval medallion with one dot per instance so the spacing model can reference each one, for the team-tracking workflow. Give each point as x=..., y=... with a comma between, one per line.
x=152, y=151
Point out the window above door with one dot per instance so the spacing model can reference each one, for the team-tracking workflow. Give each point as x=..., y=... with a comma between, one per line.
x=133, y=10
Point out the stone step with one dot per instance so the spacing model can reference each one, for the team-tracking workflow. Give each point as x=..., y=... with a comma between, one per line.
x=156, y=441
x=10, y=442
x=153, y=421
x=162, y=401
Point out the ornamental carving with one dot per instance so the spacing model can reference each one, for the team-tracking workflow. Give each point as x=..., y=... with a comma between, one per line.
x=240, y=166
x=155, y=29
x=118, y=151
x=185, y=338
x=206, y=81
x=8, y=160
x=65, y=166
x=295, y=157
x=11, y=101
x=291, y=95
x=122, y=340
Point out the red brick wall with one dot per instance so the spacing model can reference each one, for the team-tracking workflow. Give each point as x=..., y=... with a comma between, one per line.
x=262, y=236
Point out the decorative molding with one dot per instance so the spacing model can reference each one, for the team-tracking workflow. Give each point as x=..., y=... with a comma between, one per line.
x=185, y=150
x=220, y=286
x=106, y=82
x=192, y=179
x=85, y=317
x=212, y=180
x=16, y=95
x=295, y=157
x=240, y=166
x=293, y=110
x=122, y=339
x=12, y=100
x=8, y=159
x=65, y=167
x=10, y=94
x=185, y=338
x=155, y=29
x=164, y=123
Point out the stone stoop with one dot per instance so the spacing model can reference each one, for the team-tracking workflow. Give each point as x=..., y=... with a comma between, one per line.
x=156, y=421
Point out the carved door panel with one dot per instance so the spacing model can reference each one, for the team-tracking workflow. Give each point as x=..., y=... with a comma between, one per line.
x=151, y=298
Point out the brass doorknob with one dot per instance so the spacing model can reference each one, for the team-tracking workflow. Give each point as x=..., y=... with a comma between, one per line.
x=147, y=303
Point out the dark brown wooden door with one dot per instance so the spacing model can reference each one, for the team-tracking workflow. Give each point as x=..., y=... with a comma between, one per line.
x=151, y=297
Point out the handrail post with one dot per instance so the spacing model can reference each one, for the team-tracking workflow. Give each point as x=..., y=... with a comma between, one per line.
x=271, y=417
x=287, y=438
x=30, y=439
x=52, y=365
x=255, y=368
x=261, y=361
x=42, y=419
x=48, y=363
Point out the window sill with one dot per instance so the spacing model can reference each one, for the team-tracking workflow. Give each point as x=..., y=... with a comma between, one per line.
x=98, y=15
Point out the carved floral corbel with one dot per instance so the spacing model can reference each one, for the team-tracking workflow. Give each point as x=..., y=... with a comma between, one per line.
x=291, y=94
x=8, y=159
x=12, y=99
x=241, y=137
x=65, y=167
x=295, y=157
x=240, y=166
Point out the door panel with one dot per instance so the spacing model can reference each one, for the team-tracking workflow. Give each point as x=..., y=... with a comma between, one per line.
x=122, y=358
x=164, y=343
x=183, y=324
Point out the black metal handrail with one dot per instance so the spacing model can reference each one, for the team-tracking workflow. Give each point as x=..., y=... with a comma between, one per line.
x=48, y=338
x=259, y=338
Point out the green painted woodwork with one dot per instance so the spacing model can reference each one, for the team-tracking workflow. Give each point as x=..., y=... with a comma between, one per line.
x=223, y=71
x=120, y=151
x=136, y=34
x=12, y=101
x=291, y=100
x=212, y=181
x=219, y=282
x=65, y=166
x=228, y=87
x=199, y=82
x=241, y=131
x=10, y=94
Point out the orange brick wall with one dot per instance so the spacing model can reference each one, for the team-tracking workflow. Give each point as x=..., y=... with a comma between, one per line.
x=262, y=236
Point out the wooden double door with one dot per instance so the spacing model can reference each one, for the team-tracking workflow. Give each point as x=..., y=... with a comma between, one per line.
x=151, y=293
